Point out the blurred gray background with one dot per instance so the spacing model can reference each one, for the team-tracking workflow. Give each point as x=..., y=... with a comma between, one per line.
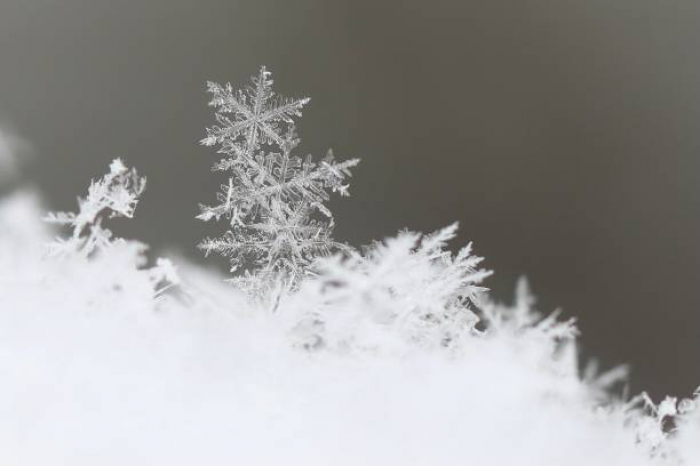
x=561, y=134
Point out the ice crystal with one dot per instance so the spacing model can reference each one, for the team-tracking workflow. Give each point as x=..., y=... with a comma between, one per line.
x=272, y=199
x=511, y=321
x=114, y=195
x=408, y=288
x=120, y=272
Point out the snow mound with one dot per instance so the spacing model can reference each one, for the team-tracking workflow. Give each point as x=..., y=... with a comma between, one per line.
x=100, y=366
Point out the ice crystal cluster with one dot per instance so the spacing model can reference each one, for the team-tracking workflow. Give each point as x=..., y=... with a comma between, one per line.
x=429, y=303
x=271, y=195
x=114, y=195
x=393, y=354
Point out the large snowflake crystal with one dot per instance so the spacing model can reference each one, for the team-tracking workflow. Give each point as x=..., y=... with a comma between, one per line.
x=274, y=200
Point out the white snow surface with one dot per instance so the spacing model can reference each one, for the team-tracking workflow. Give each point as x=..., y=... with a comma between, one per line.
x=107, y=360
x=95, y=371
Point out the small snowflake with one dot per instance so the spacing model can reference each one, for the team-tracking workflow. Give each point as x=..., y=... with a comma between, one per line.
x=114, y=195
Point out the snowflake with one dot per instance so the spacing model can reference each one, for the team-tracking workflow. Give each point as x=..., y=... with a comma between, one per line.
x=410, y=286
x=272, y=197
x=114, y=195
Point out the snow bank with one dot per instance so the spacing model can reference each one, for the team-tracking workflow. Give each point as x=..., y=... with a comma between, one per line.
x=98, y=368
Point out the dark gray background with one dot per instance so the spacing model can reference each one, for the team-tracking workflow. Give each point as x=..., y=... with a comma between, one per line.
x=562, y=134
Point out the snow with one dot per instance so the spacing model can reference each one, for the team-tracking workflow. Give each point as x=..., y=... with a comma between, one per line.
x=97, y=370
x=393, y=356
x=274, y=200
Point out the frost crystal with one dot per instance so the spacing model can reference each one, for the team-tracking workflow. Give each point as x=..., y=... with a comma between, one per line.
x=409, y=289
x=272, y=198
x=114, y=195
